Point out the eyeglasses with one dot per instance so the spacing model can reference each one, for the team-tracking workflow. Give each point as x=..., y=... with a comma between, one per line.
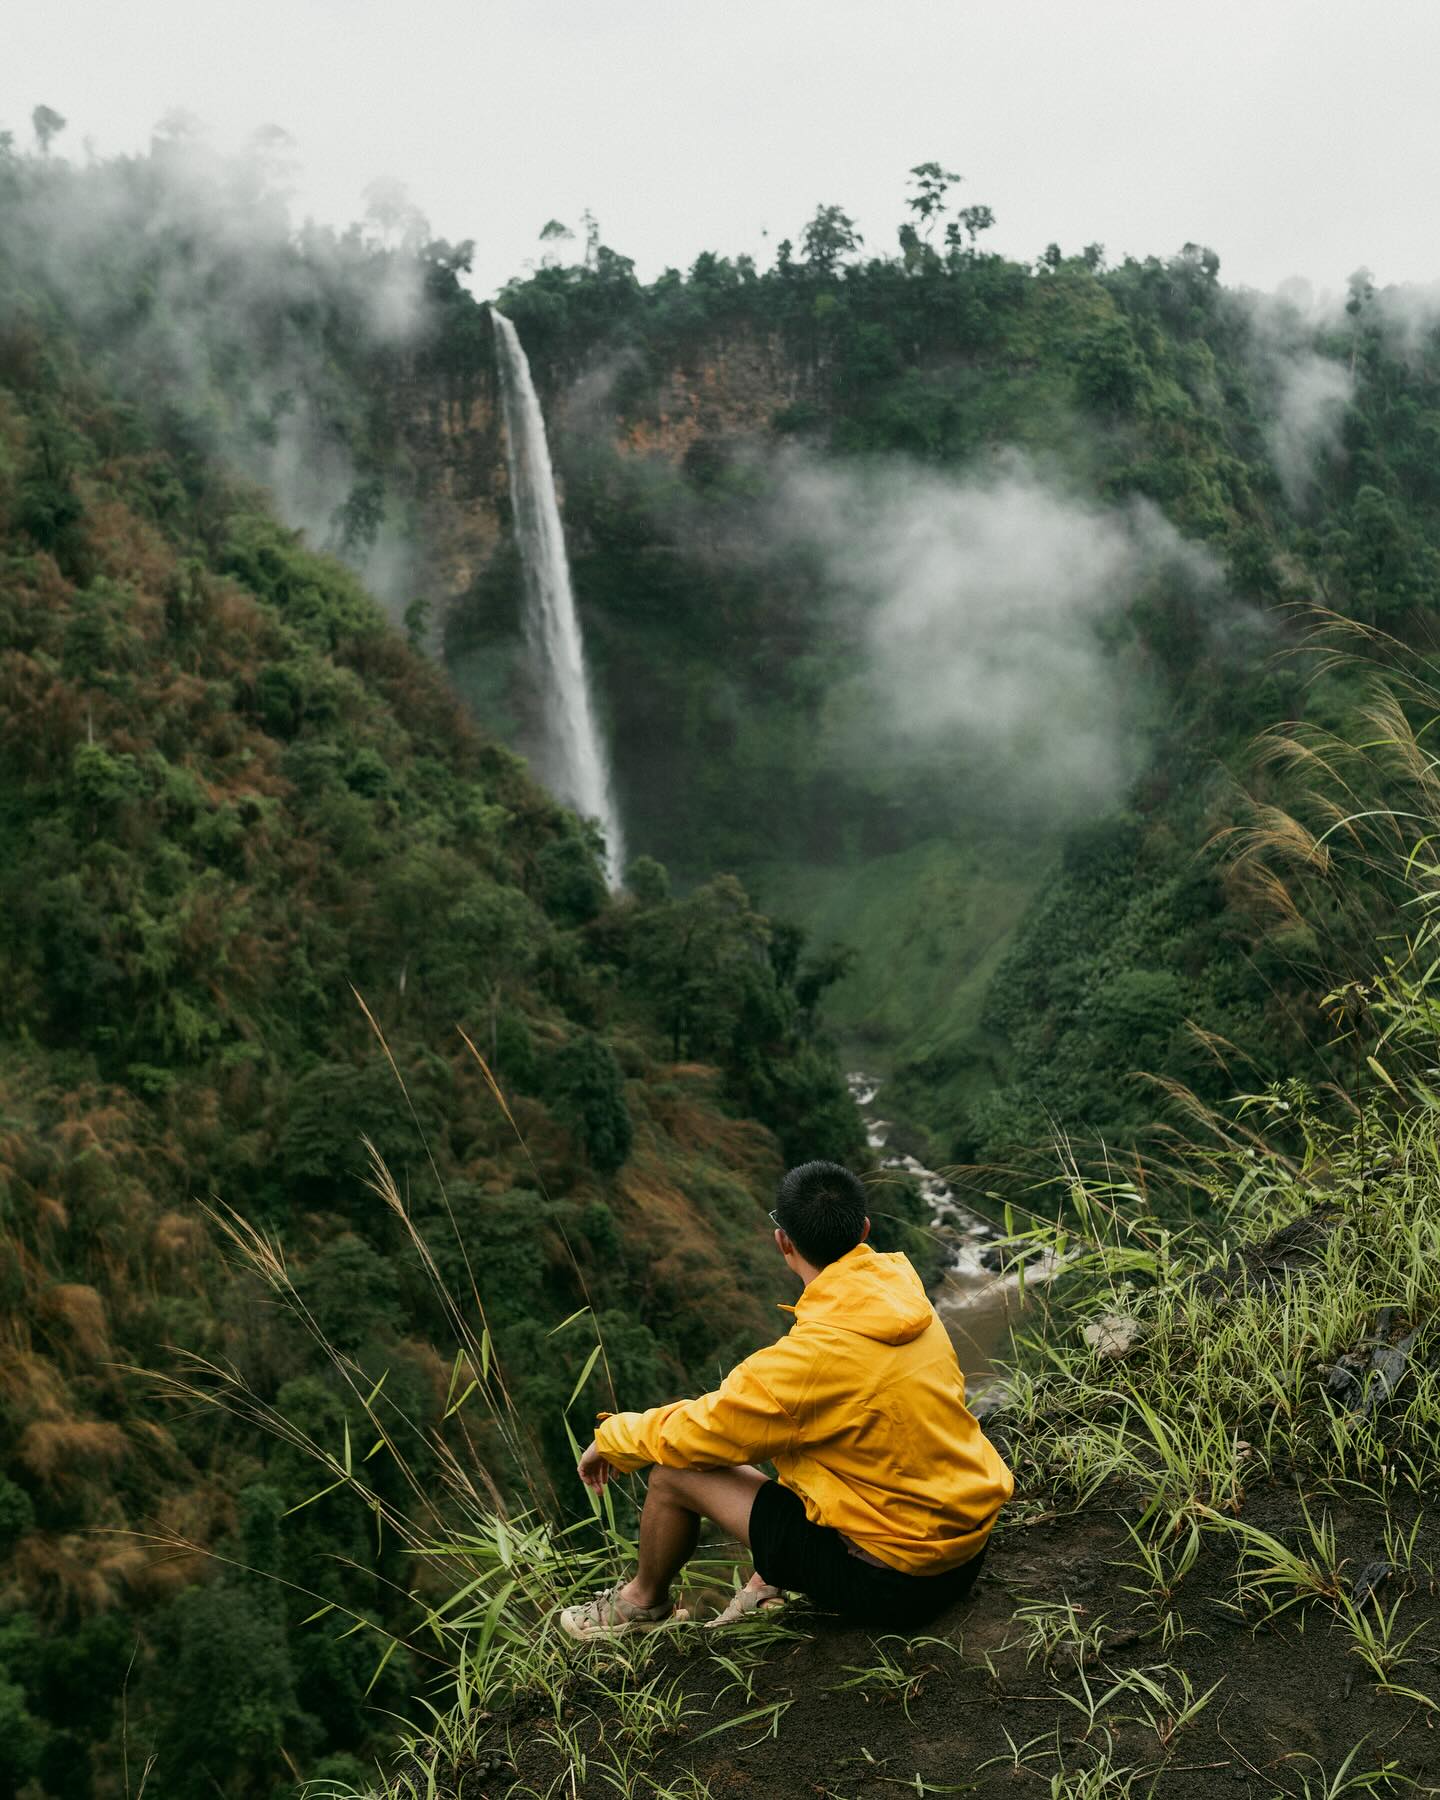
x=775, y=1222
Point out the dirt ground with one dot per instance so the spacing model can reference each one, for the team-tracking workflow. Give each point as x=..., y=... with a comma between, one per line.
x=983, y=1713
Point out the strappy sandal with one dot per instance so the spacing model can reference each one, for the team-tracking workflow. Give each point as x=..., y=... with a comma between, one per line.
x=608, y=1615
x=746, y=1604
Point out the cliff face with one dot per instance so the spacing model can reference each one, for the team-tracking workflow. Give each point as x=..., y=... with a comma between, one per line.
x=732, y=390
x=726, y=393
x=452, y=437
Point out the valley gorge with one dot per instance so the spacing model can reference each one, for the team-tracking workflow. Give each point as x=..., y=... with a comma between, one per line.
x=1004, y=690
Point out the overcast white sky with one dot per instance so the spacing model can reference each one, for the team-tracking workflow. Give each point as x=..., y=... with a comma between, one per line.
x=1297, y=137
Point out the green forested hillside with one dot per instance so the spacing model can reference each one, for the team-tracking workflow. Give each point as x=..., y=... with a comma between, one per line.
x=233, y=801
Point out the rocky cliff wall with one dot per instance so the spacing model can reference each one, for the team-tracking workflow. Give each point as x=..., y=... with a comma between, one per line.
x=726, y=393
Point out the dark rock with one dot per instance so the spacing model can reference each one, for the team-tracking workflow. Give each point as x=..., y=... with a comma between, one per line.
x=1363, y=1385
x=1345, y=1383
x=1387, y=1365
x=1296, y=1246
x=1004, y=1258
x=987, y=1404
x=1370, y=1579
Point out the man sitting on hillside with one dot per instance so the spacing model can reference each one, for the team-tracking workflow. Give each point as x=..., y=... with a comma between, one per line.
x=887, y=1487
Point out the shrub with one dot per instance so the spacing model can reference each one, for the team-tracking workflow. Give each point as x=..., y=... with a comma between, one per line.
x=589, y=1097
x=572, y=888
x=17, y=1514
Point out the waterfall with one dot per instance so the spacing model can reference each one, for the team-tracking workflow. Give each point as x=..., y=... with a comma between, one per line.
x=580, y=768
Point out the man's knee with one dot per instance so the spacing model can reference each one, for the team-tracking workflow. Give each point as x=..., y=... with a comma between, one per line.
x=669, y=1482
x=724, y=1495
x=679, y=1487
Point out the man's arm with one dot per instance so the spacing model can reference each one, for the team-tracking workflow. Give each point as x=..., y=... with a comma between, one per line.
x=742, y=1421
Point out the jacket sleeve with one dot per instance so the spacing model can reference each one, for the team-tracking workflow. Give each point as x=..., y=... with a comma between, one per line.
x=742, y=1421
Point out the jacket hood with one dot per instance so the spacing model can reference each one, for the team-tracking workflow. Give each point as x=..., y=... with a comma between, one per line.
x=876, y=1296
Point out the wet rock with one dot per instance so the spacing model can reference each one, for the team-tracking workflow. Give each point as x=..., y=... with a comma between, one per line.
x=1387, y=1365
x=1362, y=1384
x=1345, y=1381
x=1002, y=1258
x=1370, y=1579
x=1298, y=1245
x=1112, y=1334
x=990, y=1401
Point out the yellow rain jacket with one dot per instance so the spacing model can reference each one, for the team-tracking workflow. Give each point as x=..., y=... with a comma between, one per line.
x=861, y=1408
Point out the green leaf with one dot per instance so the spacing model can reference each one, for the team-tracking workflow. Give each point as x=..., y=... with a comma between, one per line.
x=774, y=1712
x=300, y=1505
x=461, y=1401
x=454, y=1376
x=585, y=1373
x=1381, y=1073
x=390, y=1650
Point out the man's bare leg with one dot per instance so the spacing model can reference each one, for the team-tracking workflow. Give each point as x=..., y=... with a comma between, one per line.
x=676, y=1500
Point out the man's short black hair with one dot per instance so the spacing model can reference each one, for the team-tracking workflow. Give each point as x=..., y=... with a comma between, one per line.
x=821, y=1209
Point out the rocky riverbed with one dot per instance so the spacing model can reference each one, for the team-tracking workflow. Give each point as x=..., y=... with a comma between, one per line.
x=974, y=1298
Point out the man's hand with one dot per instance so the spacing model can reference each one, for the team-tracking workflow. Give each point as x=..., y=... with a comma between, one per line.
x=594, y=1470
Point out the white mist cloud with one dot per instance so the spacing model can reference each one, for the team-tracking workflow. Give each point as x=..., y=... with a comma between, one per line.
x=984, y=606
x=183, y=268
x=1304, y=394
x=1312, y=396
x=1301, y=348
x=1409, y=314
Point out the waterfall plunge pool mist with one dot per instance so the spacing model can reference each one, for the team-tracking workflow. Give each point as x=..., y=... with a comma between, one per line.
x=579, y=765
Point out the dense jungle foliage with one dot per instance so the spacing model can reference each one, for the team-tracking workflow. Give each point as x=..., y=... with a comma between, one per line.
x=1019, y=956
x=233, y=792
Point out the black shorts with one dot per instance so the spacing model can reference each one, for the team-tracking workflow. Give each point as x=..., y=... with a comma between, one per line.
x=790, y=1552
